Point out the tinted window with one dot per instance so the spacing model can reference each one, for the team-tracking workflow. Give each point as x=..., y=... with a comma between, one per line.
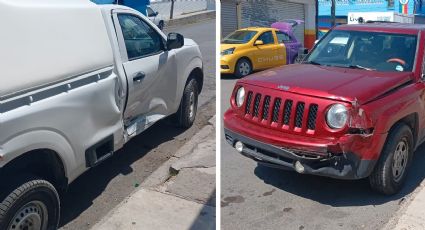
x=282, y=37
x=267, y=38
x=140, y=39
x=150, y=12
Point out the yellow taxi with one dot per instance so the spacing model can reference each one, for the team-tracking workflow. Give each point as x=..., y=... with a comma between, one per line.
x=252, y=48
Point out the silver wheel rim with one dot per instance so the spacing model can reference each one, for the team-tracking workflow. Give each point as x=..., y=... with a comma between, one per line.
x=244, y=68
x=32, y=216
x=191, y=105
x=400, y=159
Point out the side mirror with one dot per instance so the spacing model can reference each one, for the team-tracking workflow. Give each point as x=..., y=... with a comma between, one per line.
x=155, y=14
x=258, y=43
x=174, y=41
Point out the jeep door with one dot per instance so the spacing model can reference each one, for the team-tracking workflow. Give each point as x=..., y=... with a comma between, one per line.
x=149, y=67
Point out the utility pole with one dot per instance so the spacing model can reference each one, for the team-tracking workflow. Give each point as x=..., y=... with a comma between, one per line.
x=172, y=9
x=333, y=19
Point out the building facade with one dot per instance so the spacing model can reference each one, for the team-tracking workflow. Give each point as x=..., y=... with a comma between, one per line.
x=344, y=7
x=237, y=14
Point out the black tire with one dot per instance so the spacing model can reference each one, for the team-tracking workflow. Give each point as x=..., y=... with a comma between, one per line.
x=28, y=198
x=187, y=114
x=161, y=25
x=382, y=178
x=243, y=63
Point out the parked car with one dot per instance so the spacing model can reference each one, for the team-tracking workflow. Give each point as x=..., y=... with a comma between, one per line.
x=354, y=109
x=89, y=79
x=292, y=45
x=155, y=17
x=258, y=48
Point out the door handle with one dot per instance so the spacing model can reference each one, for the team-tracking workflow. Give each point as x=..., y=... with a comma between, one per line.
x=139, y=77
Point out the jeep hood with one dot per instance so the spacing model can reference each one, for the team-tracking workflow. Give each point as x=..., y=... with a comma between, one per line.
x=334, y=83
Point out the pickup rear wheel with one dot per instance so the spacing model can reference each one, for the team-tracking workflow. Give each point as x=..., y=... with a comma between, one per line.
x=31, y=204
x=390, y=172
x=189, y=105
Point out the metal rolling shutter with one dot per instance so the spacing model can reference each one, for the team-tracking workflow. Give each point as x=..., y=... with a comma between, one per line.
x=259, y=13
x=229, y=18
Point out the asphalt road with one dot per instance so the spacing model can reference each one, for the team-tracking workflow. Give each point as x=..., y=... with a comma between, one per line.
x=256, y=197
x=100, y=189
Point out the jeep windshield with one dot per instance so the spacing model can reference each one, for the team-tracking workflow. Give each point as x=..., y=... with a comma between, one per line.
x=373, y=51
x=239, y=37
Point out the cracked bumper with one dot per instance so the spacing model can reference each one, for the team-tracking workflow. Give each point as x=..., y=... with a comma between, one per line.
x=345, y=166
x=350, y=156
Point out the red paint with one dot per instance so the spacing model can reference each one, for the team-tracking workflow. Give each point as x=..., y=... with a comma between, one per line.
x=376, y=101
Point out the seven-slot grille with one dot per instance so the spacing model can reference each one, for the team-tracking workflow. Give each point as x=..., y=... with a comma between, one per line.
x=283, y=111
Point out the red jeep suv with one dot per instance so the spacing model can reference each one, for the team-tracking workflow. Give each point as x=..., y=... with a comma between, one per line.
x=353, y=109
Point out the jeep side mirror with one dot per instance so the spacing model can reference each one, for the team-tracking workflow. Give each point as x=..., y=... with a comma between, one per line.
x=174, y=41
x=258, y=43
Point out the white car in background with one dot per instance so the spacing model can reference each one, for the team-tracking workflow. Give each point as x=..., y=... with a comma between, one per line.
x=155, y=17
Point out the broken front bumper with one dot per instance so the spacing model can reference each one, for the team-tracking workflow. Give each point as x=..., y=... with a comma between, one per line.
x=348, y=156
x=344, y=166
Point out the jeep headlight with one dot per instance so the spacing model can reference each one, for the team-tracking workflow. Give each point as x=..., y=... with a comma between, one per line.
x=337, y=116
x=240, y=96
x=227, y=51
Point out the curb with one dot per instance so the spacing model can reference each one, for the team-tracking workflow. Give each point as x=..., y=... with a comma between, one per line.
x=412, y=215
x=162, y=173
x=191, y=18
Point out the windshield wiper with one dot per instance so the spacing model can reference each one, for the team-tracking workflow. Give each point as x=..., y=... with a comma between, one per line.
x=359, y=67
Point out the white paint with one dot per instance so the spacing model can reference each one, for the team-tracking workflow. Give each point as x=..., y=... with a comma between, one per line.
x=49, y=40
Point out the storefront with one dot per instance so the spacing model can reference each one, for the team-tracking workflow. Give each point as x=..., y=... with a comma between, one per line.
x=401, y=9
x=237, y=14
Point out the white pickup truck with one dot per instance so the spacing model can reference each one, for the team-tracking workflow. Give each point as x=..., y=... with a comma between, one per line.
x=79, y=81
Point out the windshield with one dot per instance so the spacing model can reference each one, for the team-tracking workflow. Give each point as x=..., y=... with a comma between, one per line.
x=366, y=50
x=239, y=37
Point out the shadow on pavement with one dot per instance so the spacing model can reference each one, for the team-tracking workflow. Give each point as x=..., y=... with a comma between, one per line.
x=227, y=77
x=338, y=193
x=206, y=218
x=91, y=184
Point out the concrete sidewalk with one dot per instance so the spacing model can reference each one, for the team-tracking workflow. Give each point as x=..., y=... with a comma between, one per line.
x=178, y=195
x=412, y=215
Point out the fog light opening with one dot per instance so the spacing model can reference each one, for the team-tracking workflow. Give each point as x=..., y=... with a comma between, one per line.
x=239, y=146
x=299, y=167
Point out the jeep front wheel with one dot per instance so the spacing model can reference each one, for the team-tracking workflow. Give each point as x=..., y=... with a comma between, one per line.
x=32, y=205
x=390, y=172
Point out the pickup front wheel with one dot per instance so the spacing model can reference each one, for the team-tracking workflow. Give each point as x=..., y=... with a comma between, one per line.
x=189, y=105
x=390, y=172
x=33, y=205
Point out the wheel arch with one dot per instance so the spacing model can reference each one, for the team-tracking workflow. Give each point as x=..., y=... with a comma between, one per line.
x=248, y=59
x=44, y=163
x=198, y=75
x=412, y=121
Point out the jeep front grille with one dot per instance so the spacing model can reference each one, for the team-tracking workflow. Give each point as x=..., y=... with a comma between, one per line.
x=282, y=112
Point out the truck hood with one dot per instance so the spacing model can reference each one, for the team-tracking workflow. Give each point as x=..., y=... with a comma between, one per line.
x=334, y=83
x=189, y=42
